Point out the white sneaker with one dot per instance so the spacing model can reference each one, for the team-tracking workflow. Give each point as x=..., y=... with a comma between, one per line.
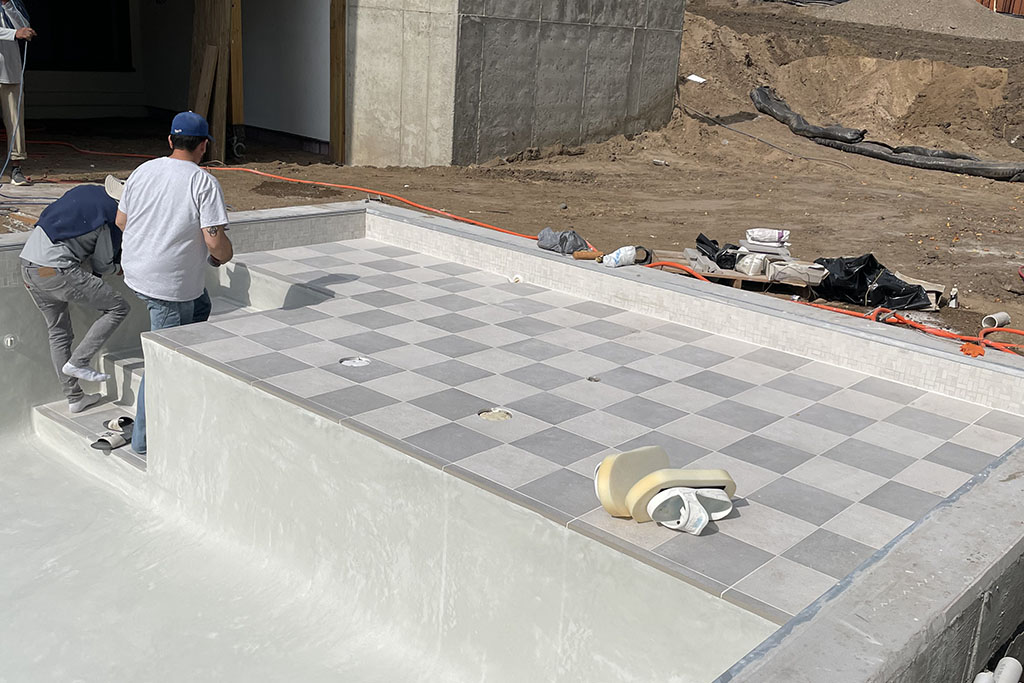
x=86, y=401
x=88, y=374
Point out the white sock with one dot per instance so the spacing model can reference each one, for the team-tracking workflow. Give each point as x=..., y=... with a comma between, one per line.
x=84, y=402
x=88, y=374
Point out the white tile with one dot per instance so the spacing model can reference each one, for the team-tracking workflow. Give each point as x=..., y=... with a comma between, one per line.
x=862, y=404
x=950, y=407
x=867, y=524
x=785, y=584
x=765, y=527
x=704, y=432
x=837, y=478
x=985, y=439
x=773, y=401
x=749, y=478
x=899, y=439
x=932, y=477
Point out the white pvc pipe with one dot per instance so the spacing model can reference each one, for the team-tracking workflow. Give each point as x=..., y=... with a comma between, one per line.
x=985, y=677
x=1008, y=670
x=1000, y=319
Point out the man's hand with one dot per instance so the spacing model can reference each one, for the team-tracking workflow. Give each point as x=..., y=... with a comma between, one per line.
x=25, y=33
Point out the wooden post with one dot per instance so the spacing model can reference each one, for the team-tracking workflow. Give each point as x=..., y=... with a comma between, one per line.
x=211, y=26
x=237, y=91
x=338, y=48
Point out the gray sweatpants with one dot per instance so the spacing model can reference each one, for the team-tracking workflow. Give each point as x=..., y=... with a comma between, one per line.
x=53, y=289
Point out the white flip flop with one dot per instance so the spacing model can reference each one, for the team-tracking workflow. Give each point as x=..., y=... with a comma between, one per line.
x=687, y=509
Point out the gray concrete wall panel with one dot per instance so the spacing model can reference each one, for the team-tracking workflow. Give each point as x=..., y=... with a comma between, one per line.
x=532, y=74
x=561, y=76
x=469, y=70
x=574, y=11
x=508, y=86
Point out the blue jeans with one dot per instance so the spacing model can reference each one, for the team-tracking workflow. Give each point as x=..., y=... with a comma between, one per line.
x=164, y=314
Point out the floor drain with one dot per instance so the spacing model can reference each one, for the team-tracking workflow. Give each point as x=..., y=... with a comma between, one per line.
x=495, y=414
x=355, y=361
x=593, y=379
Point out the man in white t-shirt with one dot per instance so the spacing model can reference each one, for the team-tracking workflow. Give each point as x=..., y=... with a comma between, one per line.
x=174, y=220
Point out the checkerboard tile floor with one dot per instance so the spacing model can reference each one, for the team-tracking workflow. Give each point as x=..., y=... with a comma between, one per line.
x=830, y=464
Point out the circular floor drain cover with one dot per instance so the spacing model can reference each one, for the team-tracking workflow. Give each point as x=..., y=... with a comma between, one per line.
x=495, y=414
x=355, y=361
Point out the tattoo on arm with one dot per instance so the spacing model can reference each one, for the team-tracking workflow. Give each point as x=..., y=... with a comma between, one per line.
x=212, y=232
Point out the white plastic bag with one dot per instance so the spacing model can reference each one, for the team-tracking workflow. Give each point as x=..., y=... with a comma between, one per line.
x=623, y=256
x=768, y=236
x=752, y=264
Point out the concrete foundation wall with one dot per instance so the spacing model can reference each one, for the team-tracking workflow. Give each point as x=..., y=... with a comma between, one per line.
x=401, y=82
x=538, y=72
x=495, y=591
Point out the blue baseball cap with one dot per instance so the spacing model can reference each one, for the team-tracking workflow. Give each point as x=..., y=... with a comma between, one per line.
x=191, y=123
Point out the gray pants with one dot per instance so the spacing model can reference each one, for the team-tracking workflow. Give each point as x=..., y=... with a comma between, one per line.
x=53, y=289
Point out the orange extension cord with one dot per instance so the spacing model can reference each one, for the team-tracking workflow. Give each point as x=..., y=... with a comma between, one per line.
x=972, y=346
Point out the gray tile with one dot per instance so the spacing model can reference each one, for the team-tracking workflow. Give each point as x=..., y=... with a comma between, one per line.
x=803, y=387
x=284, y=338
x=375, y=370
x=542, y=376
x=766, y=453
x=453, y=345
x=452, y=404
x=960, y=458
x=385, y=281
x=777, y=359
x=295, y=316
x=369, y=342
x=330, y=248
x=268, y=365
x=188, y=335
x=679, y=332
x=453, y=302
x=322, y=262
x=509, y=466
x=739, y=415
x=716, y=383
x=680, y=453
x=800, y=500
x=902, y=500
x=531, y=327
x=603, y=328
x=563, y=490
x=616, y=353
x=375, y=320
x=829, y=553
x=559, y=446
x=645, y=412
x=452, y=442
x=883, y=388
x=453, y=322
x=381, y=298
x=631, y=380
x=594, y=309
x=453, y=284
x=720, y=557
x=353, y=400
x=525, y=306
x=535, y=349
x=1001, y=421
x=837, y=420
x=454, y=372
x=452, y=269
x=391, y=251
x=869, y=457
x=696, y=355
x=926, y=422
x=548, y=407
x=388, y=265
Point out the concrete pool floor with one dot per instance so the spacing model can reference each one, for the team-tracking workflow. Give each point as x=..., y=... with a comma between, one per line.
x=831, y=464
x=101, y=589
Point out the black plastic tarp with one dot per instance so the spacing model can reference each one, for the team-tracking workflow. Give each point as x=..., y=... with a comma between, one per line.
x=564, y=242
x=852, y=140
x=866, y=282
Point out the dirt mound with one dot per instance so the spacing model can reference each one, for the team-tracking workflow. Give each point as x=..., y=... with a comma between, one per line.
x=919, y=102
x=951, y=17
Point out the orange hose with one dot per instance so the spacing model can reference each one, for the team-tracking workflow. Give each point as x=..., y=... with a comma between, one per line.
x=90, y=151
x=672, y=264
x=897, y=319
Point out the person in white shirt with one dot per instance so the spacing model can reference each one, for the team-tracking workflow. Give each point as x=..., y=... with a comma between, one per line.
x=174, y=220
x=13, y=27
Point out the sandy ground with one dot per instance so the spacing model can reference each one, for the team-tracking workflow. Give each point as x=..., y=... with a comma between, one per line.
x=904, y=86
